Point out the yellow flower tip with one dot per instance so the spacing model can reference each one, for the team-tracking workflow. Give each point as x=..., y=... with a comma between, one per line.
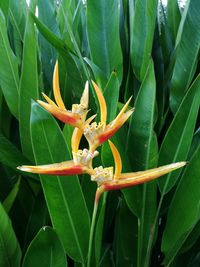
x=44, y=104
x=102, y=102
x=85, y=96
x=90, y=119
x=49, y=101
x=76, y=138
x=122, y=116
x=124, y=108
x=24, y=168
x=117, y=158
x=56, y=88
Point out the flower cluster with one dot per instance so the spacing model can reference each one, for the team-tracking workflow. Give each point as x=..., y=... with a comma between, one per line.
x=96, y=134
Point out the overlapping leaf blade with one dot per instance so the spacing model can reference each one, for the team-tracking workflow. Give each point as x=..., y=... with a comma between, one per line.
x=186, y=55
x=10, y=253
x=142, y=24
x=63, y=195
x=45, y=250
x=9, y=78
x=46, y=10
x=177, y=141
x=103, y=35
x=28, y=86
x=186, y=202
x=12, y=157
x=143, y=150
x=173, y=17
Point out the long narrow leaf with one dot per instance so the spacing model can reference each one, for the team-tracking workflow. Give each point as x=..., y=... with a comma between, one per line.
x=103, y=35
x=178, y=138
x=186, y=55
x=28, y=86
x=45, y=250
x=63, y=195
x=10, y=255
x=9, y=78
x=186, y=201
x=142, y=142
x=10, y=156
x=142, y=24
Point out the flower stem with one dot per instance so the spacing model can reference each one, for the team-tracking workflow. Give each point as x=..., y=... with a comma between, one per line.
x=96, y=203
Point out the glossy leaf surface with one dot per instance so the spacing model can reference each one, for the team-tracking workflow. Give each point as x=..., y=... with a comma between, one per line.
x=45, y=250
x=10, y=255
x=63, y=194
x=177, y=141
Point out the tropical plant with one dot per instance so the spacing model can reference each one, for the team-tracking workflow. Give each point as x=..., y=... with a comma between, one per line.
x=129, y=48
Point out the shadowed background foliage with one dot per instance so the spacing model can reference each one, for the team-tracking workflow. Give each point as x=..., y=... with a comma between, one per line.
x=128, y=47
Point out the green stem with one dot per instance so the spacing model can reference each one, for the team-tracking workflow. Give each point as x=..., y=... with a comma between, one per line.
x=141, y=227
x=96, y=203
x=152, y=233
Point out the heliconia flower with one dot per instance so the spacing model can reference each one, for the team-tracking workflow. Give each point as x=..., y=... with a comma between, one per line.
x=63, y=168
x=79, y=165
x=108, y=181
x=74, y=117
x=97, y=133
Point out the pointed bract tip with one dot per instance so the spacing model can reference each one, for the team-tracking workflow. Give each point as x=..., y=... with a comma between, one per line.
x=102, y=102
x=24, y=168
x=90, y=119
x=76, y=138
x=85, y=96
x=48, y=100
x=117, y=158
x=56, y=88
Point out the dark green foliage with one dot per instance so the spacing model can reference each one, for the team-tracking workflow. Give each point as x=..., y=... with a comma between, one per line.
x=128, y=47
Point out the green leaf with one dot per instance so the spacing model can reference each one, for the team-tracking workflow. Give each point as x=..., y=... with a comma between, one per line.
x=192, y=238
x=173, y=17
x=142, y=26
x=177, y=140
x=10, y=156
x=9, y=79
x=45, y=250
x=186, y=202
x=17, y=12
x=63, y=195
x=4, y=6
x=38, y=218
x=28, y=86
x=46, y=10
x=10, y=255
x=8, y=202
x=67, y=9
x=142, y=140
x=125, y=242
x=186, y=55
x=51, y=37
x=142, y=123
x=103, y=35
x=111, y=94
